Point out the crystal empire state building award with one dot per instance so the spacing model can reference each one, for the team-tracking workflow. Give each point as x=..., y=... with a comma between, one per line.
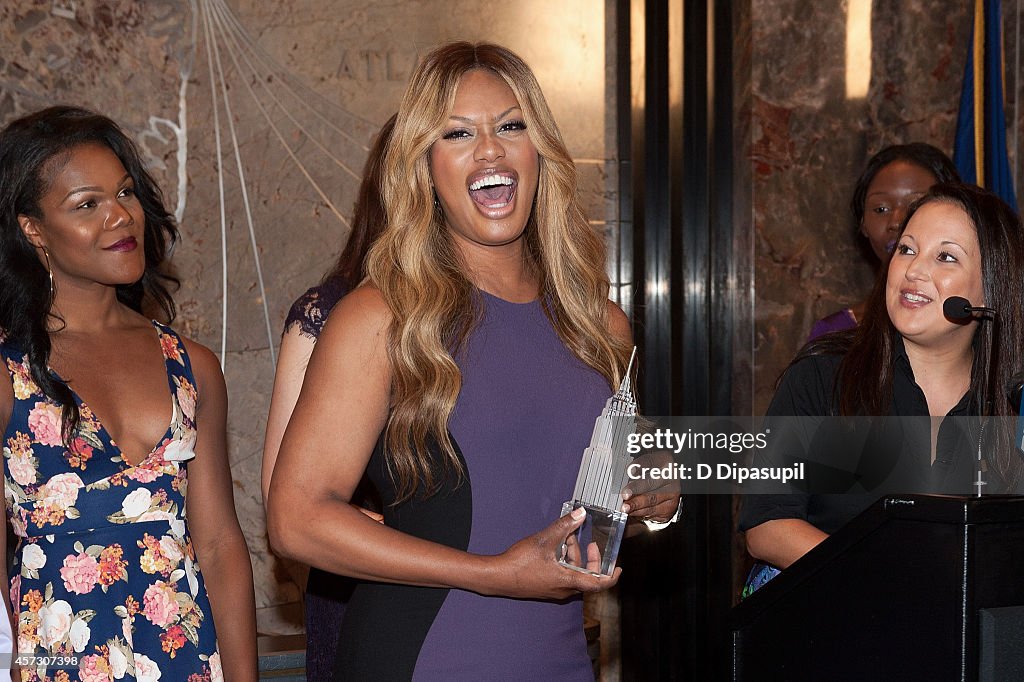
x=594, y=546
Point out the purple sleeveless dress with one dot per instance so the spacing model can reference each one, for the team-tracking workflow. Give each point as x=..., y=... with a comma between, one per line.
x=523, y=417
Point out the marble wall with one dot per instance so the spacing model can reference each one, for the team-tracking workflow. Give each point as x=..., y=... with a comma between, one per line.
x=808, y=143
x=308, y=82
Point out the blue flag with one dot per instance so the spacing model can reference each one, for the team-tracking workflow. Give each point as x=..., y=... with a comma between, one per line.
x=979, y=150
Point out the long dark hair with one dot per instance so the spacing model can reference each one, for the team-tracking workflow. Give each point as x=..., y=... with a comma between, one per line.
x=31, y=151
x=864, y=382
x=368, y=217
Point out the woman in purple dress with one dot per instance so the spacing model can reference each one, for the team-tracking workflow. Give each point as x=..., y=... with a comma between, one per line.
x=464, y=378
x=325, y=594
x=891, y=181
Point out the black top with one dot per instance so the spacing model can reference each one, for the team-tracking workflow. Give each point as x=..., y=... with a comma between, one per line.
x=310, y=310
x=808, y=389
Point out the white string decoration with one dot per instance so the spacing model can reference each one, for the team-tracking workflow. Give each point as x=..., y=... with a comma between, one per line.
x=279, y=99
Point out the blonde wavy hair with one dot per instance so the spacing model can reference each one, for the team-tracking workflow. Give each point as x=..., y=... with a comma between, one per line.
x=418, y=270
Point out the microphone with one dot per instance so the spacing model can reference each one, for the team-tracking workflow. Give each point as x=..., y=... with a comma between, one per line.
x=959, y=308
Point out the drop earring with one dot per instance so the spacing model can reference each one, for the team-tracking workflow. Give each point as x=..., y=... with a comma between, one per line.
x=49, y=271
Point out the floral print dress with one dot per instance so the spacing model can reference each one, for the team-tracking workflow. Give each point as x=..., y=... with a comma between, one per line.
x=105, y=585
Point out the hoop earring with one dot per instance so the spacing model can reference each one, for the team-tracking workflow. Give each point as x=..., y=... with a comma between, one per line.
x=49, y=271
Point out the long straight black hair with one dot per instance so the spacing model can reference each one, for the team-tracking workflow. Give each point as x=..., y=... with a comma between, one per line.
x=864, y=382
x=32, y=150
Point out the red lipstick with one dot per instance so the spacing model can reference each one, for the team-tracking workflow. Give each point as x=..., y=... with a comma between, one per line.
x=126, y=244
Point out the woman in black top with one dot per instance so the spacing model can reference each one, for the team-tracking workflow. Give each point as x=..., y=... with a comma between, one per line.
x=908, y=359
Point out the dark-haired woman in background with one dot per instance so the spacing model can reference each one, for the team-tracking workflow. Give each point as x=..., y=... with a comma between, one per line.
x=907, y=359
x=893, y=179
x=107, y=566
x=325, y=593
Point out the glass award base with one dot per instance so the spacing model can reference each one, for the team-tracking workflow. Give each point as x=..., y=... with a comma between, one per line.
x=594, y=546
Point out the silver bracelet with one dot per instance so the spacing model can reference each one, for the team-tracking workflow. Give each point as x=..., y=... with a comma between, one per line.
x=662, y=525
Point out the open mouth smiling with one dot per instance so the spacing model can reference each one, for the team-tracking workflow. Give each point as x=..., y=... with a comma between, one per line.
x=914, y=297
x=493, y=189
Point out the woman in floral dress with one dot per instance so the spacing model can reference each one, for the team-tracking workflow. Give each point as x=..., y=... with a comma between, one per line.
x=116, y=478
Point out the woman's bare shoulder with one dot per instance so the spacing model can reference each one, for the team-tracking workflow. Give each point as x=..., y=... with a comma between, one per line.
x=366, y=299
x=618, y=323
x=205, y=367
x=200, y=356
x=363, y=311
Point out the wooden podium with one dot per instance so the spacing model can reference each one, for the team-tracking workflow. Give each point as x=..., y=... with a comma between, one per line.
x=917, y=587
